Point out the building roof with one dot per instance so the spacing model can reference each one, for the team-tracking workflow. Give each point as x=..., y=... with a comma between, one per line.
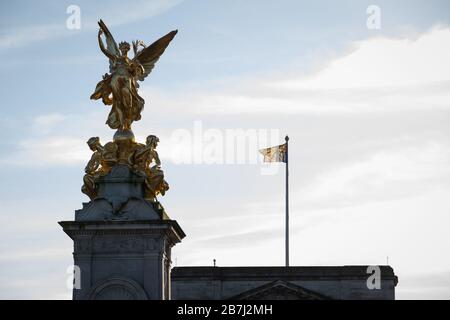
x=277, y=273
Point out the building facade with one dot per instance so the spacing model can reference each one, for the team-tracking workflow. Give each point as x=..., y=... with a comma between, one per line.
x=282, y=283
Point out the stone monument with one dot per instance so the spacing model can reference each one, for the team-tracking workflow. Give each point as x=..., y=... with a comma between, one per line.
x=123, y=236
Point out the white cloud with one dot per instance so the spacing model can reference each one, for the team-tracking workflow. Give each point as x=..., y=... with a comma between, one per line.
x=47, y=254
x=332, y=90
x=49, y=151
x=27, y=35
x=378, y=75
x=112, y=14
x=48, y=119
x=57, y=139
x=45, y=123
x=383, y=175
x=385, y=62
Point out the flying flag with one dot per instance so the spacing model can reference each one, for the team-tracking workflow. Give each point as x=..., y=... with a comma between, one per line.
x=280, y=154
x=275, y=154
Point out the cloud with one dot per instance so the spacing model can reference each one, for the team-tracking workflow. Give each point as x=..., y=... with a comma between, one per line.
x=384, y=62
x=371, y=78
x=377, y=75
x=48, y=119
x=112, y=14
x=44, y=254
x=384, y=175
x=335, y=193
x=422, y=285
x=28, y=35
x=46, y=122
x=48, y=151
x=56, y=139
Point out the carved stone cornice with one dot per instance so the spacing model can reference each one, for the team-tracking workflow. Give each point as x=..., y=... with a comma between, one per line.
x=169, y=228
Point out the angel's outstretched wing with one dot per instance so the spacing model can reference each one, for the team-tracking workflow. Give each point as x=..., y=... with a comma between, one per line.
x=111, y=45
x=148, y=56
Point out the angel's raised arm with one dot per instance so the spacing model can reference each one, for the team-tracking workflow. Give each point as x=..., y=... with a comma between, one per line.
x=112, y=49
x=102, y=46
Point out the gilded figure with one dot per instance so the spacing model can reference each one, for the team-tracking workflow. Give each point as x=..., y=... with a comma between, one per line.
x=101, y=162
x=148, y=164
x=119, y=88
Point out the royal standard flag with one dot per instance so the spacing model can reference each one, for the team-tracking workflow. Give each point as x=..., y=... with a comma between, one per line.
x=274, y=154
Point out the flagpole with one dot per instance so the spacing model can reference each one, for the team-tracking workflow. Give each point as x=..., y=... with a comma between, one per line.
x=287, y=200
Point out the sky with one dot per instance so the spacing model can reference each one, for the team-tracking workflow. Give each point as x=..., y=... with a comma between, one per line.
x=366, y=109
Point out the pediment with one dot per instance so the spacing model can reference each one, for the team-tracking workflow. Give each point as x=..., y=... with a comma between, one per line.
x=279, y=290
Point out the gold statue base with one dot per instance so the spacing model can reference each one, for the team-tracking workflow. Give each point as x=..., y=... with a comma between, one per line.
x=124, y=135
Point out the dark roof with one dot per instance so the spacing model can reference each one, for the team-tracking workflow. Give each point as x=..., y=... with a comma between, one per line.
x=279, y=273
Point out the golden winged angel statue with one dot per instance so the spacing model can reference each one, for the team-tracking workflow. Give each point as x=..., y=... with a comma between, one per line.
x=119, y=88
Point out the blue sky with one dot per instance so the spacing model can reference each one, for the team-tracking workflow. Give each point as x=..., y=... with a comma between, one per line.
x=367, y=112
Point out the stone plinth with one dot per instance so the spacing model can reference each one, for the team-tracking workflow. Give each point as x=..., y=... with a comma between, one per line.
x=120, y=197
x=122, y=242
x=123, y=259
